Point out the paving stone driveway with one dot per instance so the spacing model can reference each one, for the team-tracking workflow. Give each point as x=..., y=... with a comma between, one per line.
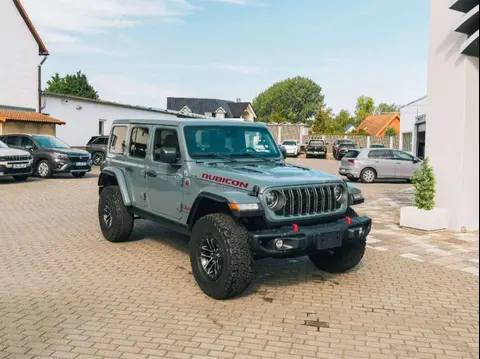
x=65, y=292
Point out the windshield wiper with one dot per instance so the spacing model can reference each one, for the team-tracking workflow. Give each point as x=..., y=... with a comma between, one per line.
x=214, y=155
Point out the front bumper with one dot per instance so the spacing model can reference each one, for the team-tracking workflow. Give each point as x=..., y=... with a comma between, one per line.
x=13, y=169
x=292, y=241
x=65, y=166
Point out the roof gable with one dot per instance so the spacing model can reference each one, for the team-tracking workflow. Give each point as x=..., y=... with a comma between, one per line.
x=42, y=49
x=374, y=124
x=208, y=105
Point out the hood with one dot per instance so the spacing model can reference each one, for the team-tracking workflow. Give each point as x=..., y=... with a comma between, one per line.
x=68, y=151
x=12, y=152
x=264, y=175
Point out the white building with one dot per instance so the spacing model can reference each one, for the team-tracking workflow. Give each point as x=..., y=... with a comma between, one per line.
x=20, y=47
x=413, y=127
x=86, y=118
x=452, y=141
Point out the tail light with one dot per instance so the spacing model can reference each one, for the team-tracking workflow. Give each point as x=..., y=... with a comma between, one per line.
x=352, y=161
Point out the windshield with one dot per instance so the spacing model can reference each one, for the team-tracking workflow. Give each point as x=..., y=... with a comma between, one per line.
x=2, y=145
x=316, y=143
x=289, y=143
x=50, y=142
x=237, y=141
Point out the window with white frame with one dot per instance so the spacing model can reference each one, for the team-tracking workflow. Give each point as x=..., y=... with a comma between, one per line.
x=407, y=142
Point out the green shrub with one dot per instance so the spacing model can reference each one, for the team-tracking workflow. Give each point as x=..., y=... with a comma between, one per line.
x=424, y=184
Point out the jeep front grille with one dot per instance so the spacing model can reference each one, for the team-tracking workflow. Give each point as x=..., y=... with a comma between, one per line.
x=310, y=200
x=16, y=158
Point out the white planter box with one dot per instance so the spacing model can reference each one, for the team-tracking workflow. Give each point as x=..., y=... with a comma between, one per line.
x=421, y=219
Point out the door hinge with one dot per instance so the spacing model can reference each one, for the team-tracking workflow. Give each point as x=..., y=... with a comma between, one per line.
x=144, y=196
x=179, y=206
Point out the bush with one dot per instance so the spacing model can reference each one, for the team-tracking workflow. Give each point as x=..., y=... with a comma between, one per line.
x=390, y=132
x=424, y=183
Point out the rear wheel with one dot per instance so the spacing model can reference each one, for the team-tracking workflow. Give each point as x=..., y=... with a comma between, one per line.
x=220, y=256
x=116, y=222
x=343, y=258
x=368, y=175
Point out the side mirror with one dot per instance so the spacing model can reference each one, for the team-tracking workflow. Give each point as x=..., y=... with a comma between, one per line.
x=29, y=148
x=417, y=160
x=168, y=155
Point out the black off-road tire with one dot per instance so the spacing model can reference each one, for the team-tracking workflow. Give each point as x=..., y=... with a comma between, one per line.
x=341, y=259
x=79, y=174
x=234, y=241
x=122, y=221
x=20, y=178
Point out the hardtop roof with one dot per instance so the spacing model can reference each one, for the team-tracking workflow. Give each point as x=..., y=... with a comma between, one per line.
x=188, y=122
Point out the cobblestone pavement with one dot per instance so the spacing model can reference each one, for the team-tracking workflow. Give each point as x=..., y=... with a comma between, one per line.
x=65, y=292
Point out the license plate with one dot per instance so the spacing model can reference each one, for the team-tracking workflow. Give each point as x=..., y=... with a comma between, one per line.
x=20, y=165
x=81, y=164
x=328, y=240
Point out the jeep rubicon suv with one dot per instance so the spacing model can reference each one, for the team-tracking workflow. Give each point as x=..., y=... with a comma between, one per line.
x=205, y=179
x=15, y=163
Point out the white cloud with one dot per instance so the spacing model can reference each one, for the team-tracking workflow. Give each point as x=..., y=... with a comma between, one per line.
x=62, y=23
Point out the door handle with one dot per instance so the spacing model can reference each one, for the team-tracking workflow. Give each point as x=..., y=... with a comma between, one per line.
x=151, y=174
x=129, y=169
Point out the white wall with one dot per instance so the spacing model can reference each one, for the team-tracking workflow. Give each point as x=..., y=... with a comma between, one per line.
x=18, y=59
x=82, y=124
x=453, y=118
x=408, y=116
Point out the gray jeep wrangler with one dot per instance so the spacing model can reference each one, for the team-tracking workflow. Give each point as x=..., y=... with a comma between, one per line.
x=237, y=201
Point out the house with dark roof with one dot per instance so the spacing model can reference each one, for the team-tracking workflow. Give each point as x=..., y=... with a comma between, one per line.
x=21, y=52
x=235, y=110
x=376, y=125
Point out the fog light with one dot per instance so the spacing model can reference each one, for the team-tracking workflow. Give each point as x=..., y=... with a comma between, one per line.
x=279, y=243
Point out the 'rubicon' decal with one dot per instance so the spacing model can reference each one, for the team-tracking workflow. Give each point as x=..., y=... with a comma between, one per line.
x=224, y=180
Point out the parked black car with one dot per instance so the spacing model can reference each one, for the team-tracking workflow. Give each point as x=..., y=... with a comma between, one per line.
x=316, y=148
x=97, y=147
x=336, y=146
x=344, y=148
x=51, y=155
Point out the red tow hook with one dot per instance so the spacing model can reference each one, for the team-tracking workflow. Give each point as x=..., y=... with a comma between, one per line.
x=348, y=220
x=295, y=227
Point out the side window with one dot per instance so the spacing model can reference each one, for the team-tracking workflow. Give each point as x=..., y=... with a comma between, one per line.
x=101, y=141
x=118, y=138
x=26, y=142
x=138, y=142
x=165, y=138
x=12, y=141
x=380, y=154
x=402, y=156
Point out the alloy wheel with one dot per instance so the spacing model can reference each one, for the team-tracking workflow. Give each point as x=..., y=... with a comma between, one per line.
x=97, y=159
x=43, y=169
x=211, y=257
x=369, y=176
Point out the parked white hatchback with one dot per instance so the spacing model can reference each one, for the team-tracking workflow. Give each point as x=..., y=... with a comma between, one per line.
x=369, y=164
x=292, y=147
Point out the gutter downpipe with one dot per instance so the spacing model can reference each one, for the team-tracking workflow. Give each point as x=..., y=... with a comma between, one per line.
x=40, y=82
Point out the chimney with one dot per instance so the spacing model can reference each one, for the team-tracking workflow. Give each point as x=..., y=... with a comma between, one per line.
x=239, y=99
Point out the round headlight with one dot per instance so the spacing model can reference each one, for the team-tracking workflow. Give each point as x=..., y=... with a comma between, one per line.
x=274, y=200
x=338, y=193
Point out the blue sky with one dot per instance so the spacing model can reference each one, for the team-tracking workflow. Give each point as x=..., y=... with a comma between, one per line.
x=141, y=51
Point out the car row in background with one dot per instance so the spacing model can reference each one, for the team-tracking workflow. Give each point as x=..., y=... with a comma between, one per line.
x=48, y=154
x=369, y=164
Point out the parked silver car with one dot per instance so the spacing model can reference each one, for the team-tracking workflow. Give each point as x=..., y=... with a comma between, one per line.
x=368, y=164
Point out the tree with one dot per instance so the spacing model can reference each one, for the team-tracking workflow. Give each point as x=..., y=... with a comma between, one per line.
x=294, y=100
x=343, y=119
x=390, y=131
x=365, y=107
x=75, y=85
x=424, y=187
x=385, y=107
x=323, y=120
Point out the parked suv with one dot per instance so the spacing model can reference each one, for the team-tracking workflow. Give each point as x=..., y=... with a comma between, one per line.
x=203, y=178
x=292, y=147
x=15, y=163
x=336, y=147
x=50, y=155
x=97, y=147
x=316, y=148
